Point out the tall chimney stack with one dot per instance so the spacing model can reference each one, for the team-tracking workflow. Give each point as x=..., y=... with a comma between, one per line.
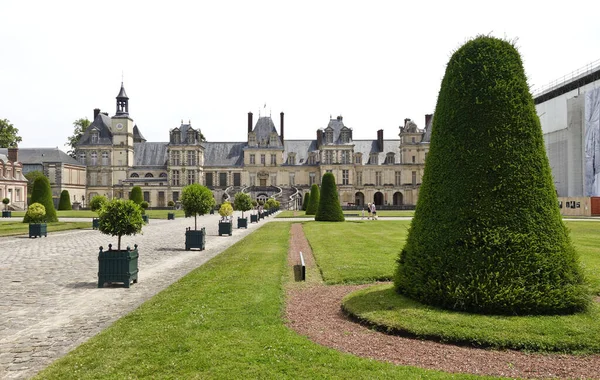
x=13, y=153
x=319, y=138
x=380, y=140
x=428, y=118
x=96, y=113
x=249, y=122
x=281, y=122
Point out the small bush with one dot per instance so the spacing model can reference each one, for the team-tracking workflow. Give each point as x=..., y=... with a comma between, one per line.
x=329, y=209
x=136, y=195
x=171, y=204
x=97, y=202
x=313, y=204
x=65, y=201
x=144, y=205
x=196, y=200
x=225, y=210
x=5, y=201
x=42, y=193
x=36, y=213
x=242, y=202
x=120, y=217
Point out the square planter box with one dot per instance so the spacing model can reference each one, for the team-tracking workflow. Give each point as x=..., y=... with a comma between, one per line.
x=118, y=266
x=225, y=228
x=145, y=219
x=195, y=238
x=38, y=229
x=95, y=223
x=171, y=216
x=253, y=218
x=242, y=222
x=6, y=214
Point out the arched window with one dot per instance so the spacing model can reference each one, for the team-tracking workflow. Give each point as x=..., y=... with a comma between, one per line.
x=105, y=158
x=149, y=175
x=163, y=175
x=135, y=175
x=82, y=157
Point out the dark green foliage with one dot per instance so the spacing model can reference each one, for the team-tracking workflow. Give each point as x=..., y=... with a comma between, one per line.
x=329, y=209
x=242, y=202
x=42, y=193
x=97, y=202
x=31, y=176
x=136, y=195
x=170, y=203
x=5, y=201
x=313, y=201
x=487, y=235
x=306, y=201
x=65, y=201
x=196, y=200
x=120, y=217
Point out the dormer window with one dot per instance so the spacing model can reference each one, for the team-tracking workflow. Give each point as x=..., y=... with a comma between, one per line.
x=94, y=137
x=345, y=136
x=329, y=136
x=273, y=140
x=390, y=158
x=176, y=137
x=251, y=139
x=358, y=158
x=292, y=159
x=311, y=159
x=374, y=159
x=191, y=137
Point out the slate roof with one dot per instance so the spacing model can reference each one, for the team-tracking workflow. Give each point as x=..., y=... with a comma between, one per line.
x=101, y=123
x=337, y=125
x=184, y=128
x=302, y=148
x=224, y=153
x=150, y=154
x=263, y=129
x=137, y=135
x=39, y=155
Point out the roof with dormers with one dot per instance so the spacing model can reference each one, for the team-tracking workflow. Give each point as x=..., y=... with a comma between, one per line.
x=263, y=129
x=28, y=156
x=101, y=125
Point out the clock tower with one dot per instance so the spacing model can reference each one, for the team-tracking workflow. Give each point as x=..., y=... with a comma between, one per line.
x=122, y=131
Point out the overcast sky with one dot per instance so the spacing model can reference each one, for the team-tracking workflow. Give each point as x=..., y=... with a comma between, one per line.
x=211, y=62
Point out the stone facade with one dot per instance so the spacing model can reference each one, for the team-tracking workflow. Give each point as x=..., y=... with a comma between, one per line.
x=13, y=185
x=386, y=172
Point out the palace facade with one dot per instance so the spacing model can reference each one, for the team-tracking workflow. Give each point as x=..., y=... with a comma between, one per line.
x=118, y=157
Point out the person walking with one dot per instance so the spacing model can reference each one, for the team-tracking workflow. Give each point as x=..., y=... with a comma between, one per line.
x=369, y=211
x=373, y=211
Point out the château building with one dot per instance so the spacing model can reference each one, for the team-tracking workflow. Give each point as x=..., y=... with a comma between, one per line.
x=13, y=185
x=118, y=157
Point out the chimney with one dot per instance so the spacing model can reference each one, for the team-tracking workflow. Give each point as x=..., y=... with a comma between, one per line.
x=96, y=113
x=319, y=138
x=281, y=123
x=428, y=118
x=249, y=122
x=13, y=153
x=380, y=140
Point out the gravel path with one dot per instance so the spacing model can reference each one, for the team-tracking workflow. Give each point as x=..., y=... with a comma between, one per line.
x=315, y=312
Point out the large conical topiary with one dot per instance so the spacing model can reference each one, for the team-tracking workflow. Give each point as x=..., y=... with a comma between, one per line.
x=65, y=201
x=42, y=193
x=329, y=209
x=487, y=235
x=136, y=195
x=313, y=200
x=306, y=201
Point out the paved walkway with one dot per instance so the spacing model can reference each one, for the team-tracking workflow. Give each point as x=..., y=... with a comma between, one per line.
x=49, y=299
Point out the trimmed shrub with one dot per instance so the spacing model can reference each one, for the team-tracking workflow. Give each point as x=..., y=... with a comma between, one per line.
x=120, y=217
x=171, y=204
x=5, y=202
x=36, y=213
x=306, y=201
x=225, y=210
x=329, y=209
x=144, y=205
x=487, y=235
x=242, y=202
x=43, y=194
x=270, y=204
x=136, y=195
x=65, y=201
x=196, y=200
x=97, y=202
x=313, y=202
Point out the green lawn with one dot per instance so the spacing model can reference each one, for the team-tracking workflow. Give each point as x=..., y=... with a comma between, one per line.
x=223, y=320
x=153, y=214
x=19, y=228
x=382, y=213
x=368, y=253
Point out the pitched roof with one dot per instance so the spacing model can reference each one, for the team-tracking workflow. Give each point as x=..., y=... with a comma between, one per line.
x=337, y=125
x=263, y=129
x=39, y=155
x=122, y=93
x=137, y=135
x=150, y=154
x=302, y=148
x=224, y=153
x=102, y=124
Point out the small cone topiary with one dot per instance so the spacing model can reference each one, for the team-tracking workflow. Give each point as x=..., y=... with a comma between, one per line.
x=65, y=201
x=136, y=195
x=487, y=235
x=42, y=193
x=330, y=209
x=313, y=201
x=306, y=201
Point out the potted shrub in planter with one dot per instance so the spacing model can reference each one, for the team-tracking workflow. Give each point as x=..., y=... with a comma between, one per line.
x=171, y=215
x=225, y=224
x=36, y=214
x=95, y=205
x=144, y=205
x=196, y=200
x=242, y=202
x=5, y=212
x=119, y=217
x=254, y=217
